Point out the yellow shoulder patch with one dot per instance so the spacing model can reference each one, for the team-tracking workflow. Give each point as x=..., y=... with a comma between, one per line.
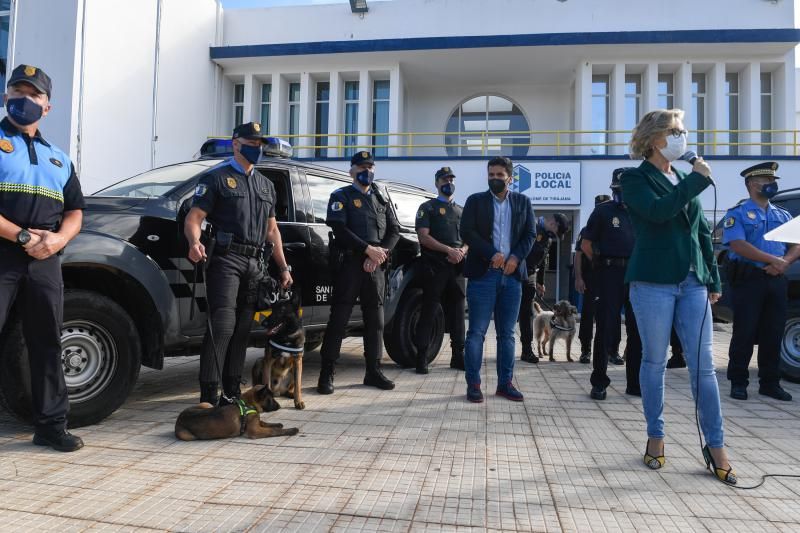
x=729, y=222
x=6, y=146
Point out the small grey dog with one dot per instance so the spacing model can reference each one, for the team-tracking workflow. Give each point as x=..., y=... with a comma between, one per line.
x=549, y=326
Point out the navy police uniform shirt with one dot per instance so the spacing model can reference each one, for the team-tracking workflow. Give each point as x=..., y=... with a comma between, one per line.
x=610, y=230
x=538, y=256
x=748, y=222
x=366, y=216
x=37, y=180
x=586, y=265
x=442, y=218
x=237, y=203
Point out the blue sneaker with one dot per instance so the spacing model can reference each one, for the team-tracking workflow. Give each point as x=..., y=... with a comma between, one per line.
x=509, y=392
x=474, y=393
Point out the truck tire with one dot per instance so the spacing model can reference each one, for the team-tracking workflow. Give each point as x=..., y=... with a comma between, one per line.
x=312, y=344
x=790, y=351
x=100, y=353
x=400, y=333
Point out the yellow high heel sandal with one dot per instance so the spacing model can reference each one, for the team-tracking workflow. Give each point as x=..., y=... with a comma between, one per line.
x=653, y=463
x=726, y=476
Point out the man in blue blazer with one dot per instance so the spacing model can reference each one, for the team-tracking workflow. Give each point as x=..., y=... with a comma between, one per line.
x=498, y=226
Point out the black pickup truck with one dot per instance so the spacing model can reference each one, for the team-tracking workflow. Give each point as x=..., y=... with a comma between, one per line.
x=129, y=285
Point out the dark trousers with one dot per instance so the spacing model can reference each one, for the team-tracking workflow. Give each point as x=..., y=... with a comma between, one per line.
x=611, y=298
x=526, y=314
x=444, y=284
x=759, y=317
x=350, y=283
x=231, y=289
x=38, y=290
x=587, y=314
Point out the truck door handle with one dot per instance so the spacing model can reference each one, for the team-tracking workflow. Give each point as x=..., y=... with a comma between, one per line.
x=294, y=245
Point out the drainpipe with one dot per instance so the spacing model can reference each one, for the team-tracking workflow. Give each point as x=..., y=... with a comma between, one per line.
x=79, y=139
x=154, y=126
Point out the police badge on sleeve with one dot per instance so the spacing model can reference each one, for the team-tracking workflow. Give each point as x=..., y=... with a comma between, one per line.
x=201, y=189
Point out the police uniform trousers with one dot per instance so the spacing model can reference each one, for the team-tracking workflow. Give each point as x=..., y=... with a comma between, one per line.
x=351, y=283
x=587, y=313
x=444, y=283
x=231, y=289
x=526, y=313
x=611, y=298
x=36, y=290
x=759, y=317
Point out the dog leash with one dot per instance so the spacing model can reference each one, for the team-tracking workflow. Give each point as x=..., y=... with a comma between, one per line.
x=211, y=336
x=558, y=327
x=541, y=301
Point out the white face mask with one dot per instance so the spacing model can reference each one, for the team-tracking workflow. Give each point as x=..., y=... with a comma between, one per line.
x=676, y=147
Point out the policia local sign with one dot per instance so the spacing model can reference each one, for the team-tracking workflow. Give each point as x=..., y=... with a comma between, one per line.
x=549, y=183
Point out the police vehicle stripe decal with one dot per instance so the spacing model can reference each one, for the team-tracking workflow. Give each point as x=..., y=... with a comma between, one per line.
x=32, y=189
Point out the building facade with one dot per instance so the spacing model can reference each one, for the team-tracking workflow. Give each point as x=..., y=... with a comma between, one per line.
x=556, y=85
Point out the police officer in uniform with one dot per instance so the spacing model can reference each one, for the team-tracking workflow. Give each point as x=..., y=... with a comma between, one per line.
x=608, y=242
x=758, y=284
x=365, y=231
x=443, y=253
x=40, y=212
x=585, y=285
x=239, y=202
x=548, y=229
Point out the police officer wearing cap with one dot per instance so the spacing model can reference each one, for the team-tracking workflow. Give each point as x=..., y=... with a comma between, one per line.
x=365, y=231
x=756, y=273
x=443, y=253
x=548, y=229
x=40, y=212
x=608, y=241
x=584, y=284
x=239, y=202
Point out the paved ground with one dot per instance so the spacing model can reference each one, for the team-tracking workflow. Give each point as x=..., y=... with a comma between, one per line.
x=415, y=459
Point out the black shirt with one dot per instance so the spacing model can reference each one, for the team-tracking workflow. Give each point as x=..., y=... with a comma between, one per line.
x=538, y=258
x=586, y=265
x=359, y=219
x=610, y=230
x=443, y=220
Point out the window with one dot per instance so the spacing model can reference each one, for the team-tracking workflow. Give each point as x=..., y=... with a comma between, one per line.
x=483, y=126
x=696, y=117
x=600, y=111
x=238, y=104
x=732, y=92
x=294, y=112
x=380, y=117
x=321, y=117
x=406, y=206
x=666, y=91
x=266, y=94
x=633, y=100
x=321, y=189
x=766, y=113
x=5, y=18
x=156, y=182
x=350, y=117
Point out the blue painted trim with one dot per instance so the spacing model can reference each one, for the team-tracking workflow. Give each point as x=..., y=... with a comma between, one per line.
x=552, y=158
x=770, y=35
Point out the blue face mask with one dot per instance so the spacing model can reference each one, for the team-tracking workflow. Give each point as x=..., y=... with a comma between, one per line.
x=768, y=190
x=251, y=153
x=24, y=111
x=616, y=195
x=447, y=189
x=365, y=177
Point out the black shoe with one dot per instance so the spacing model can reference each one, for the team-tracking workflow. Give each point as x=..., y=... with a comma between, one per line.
x=62, y=441
x=474, y=393
x=375, y=378
x=676, y=361
x=528, y=357
x=231, y=390
x=208, y=393
x=738, y=392
x=598, y=393
x=586, y=358
x=775, y=391
x=325, y=383
x=616, y=359
x=633, y=392
x=422, y=366
x=457, y=362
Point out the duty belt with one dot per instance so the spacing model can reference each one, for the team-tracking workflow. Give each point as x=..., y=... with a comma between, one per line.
x=246, y=250
x=613, y=261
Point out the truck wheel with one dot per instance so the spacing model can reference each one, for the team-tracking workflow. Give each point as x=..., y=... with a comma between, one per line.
x=100, y=353
x=312, y=345
x=790, y=351
x=399, y=336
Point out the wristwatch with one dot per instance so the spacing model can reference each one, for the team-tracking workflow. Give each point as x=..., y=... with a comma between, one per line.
x=287, y=268
x=23, y=237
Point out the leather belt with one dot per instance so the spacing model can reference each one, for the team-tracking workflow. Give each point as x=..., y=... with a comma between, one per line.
x=613, y=261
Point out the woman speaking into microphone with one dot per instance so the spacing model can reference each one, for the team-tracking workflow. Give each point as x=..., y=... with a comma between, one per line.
x=673, y=279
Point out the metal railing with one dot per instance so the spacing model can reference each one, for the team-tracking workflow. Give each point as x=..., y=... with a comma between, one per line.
x=547, y=142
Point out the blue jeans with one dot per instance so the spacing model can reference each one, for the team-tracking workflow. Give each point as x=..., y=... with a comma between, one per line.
x=492, y=293
x=657, y=307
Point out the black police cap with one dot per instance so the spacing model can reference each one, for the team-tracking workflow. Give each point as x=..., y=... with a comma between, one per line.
x=600, y=198
x=562, y=222
x=250, y=130
x=767, y=169
x=616, y=177
x=444, y=172
x=359, y=158
x=33, y=76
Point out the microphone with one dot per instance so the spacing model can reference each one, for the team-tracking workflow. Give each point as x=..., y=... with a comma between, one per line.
x=690, y=157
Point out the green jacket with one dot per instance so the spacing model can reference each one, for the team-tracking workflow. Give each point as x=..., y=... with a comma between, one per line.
x=671, y=230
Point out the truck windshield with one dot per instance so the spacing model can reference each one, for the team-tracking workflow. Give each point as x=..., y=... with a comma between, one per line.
x=156, y=182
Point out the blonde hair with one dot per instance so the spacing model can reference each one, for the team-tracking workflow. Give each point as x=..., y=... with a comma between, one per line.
x=653, y=124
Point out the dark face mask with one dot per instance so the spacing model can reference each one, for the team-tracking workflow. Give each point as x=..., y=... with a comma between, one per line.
x=251, y=153
x=365, y=177
x=447, y=189
x=617, y=196
x=768, y=190
x=497, y=186
x=24, y=111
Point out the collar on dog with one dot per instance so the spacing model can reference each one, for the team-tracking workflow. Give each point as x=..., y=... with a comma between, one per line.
x=554, y=325
x=294, y=351
x=244, y=411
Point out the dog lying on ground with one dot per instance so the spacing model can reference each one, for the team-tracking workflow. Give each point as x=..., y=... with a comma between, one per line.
x=281, y=368
x=549, y=326
x=204, y=421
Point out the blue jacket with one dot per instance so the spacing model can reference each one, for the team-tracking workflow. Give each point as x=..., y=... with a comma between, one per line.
x=477, y=220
